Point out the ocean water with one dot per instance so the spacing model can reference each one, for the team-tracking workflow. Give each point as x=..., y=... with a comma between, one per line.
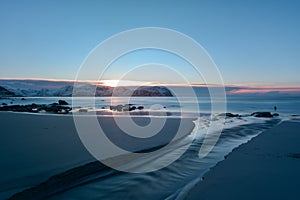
x=174, y=180
x=286, y=104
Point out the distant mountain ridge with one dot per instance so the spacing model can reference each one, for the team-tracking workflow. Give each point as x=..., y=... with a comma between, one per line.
x=31, y=88
x=6, y=93
x=48, y=88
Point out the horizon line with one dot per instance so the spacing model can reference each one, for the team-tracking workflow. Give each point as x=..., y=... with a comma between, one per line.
x=236, y=88
x=249, y=84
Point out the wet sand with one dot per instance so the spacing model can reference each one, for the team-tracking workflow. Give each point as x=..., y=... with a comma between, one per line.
x=267, y=167
x=34, y=147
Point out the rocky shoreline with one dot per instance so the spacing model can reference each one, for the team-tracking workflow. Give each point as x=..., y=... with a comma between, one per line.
x=56, y=108
x=62, y=107
x=254, y=114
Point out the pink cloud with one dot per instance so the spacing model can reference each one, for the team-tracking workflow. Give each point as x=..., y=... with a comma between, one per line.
x=261, y=90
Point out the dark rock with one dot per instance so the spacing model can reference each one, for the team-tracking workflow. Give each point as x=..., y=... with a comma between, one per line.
x=262, y=114
x=4, y=104
x=131, y=108
x=275, y=115
x=126, y=107
x=57, y=109
x=116, y=108
x=294, y=155
x=83, y=110
x=113, y=108
x=4, y=108
x=34, y=105
x=34, y=108
x=229, y=115
x=16, y=108
x=23, y=99
x=62, y=102
x=140, y=107
x=119, y=108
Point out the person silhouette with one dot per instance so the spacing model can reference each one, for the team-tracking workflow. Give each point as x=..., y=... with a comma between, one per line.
x=275, y=108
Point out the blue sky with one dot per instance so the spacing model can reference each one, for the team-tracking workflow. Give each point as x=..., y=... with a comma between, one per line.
x=251, y=42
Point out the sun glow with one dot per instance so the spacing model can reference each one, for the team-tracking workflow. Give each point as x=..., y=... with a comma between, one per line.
x=110, y=83
x=115, y=83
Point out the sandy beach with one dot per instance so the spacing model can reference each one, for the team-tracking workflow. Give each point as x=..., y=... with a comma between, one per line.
x=267, y=167
x=35, y=147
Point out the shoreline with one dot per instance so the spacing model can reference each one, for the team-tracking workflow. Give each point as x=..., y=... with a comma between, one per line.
x=59, y=151
x=256, y=169
x=35, y=147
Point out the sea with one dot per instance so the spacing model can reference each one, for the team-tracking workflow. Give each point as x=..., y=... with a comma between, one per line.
x=174, y=180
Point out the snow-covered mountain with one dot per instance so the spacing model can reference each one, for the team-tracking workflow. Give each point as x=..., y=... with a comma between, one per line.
x=44, y=92
x=64, y=91
x=6, y=93
x=21, y=88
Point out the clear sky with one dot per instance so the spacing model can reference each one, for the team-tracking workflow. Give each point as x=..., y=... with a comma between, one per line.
x=250, y=41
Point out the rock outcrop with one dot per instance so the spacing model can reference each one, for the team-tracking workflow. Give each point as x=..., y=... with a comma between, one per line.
x=229, y=115
x=36, y=108
x=262, y=114
x=62, y=102
x=126, y=107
